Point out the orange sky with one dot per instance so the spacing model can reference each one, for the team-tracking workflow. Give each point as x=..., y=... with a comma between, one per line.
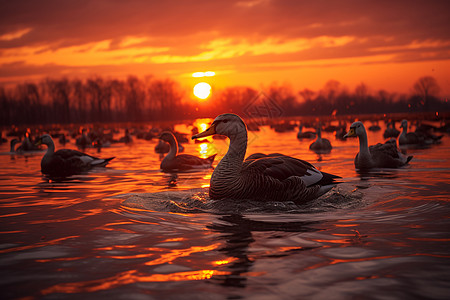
x=385, y=44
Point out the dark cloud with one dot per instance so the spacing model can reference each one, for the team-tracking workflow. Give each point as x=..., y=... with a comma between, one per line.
x=66, y=22
x=377, y=27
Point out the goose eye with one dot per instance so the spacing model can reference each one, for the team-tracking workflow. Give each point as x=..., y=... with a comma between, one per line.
x=225, y=121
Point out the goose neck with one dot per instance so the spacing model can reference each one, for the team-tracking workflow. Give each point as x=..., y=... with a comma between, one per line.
x=231, y=163
x=173, y=150
x=363, y=144
x=49, y=153
x=173, y=147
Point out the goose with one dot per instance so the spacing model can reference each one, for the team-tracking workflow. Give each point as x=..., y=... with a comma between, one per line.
x=391, y=131
x=174, y=162
x=385, y=155
x=374, y=127
x=320, y=145
x=162, y=147
x=13, y=144
x=27, y=145
x=66, y=162
x=409, y=138
x=424, y=131
x=305, y=135
x=126, y=137
x=273, y=177
x=83, y=141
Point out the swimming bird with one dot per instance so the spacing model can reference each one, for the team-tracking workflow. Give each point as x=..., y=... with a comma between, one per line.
x=174, y=162
x=66, y=162
x=273, y=177
x=391, y=131
x=375, y=127
x=422, y=133
x=409, y=138
x=320, y=145
x=385, y=155
x=83, y=141
x=13, y=144
x=306, y=134
x=27, y=145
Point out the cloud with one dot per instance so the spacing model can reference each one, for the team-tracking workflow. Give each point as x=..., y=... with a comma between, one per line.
x=235, y=34
x=229, y=48
x=90, y=54
x=17, y=34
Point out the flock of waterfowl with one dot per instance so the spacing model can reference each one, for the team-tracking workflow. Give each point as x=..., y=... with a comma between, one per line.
x=259, y=176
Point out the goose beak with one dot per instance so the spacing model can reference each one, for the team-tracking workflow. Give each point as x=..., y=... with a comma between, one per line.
x=350, y=133
x=210, y=131
x=39, y=142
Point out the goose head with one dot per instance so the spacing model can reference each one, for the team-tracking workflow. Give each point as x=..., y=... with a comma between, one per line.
x=356, y=129
x=167, y=136
x=229, y=125
x=45, y=139
x=404, y=124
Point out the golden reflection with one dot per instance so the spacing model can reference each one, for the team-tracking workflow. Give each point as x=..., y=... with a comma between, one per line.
x=203, y=148
x=337, y=261
x=177, y=253
x=59, y=259
x=129, y=277
x=127, y=256
x=221, y=262
x=37, y=245
x=337, y=241
x=13, y=215
x=174, y=240
x=13, y=231
x=203, y=126
x=109, y=248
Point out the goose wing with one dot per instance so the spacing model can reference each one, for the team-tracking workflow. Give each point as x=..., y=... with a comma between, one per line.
x=78, y=159
x=387, y=155
x=63, y=163
x=187, y=161
x=282, y=167
x=387, y=149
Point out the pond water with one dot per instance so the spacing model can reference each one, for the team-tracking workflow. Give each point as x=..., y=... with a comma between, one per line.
x=122, y=232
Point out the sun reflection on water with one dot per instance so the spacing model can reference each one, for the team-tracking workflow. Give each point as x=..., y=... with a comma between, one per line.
x=129, y=277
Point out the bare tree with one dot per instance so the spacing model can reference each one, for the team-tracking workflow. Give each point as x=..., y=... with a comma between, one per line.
x=426, y=87
x=166, y=95
x=134, y=99
x=307, y=94
x=331, y=90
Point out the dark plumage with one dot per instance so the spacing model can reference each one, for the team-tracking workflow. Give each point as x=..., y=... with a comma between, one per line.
x=66, y=162
x=306, y=134
x=320, y=145
x=272, y=177
x=385, y=155
x=174, y=162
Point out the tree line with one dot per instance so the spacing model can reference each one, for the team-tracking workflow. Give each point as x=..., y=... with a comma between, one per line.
x=64, y=101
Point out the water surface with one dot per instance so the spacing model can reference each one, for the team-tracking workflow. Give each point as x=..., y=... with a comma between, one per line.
x=122, y=232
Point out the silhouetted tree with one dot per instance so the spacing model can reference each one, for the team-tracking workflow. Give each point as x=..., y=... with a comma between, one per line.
x=426, y=87
x=133, y=99
x=307, y=94
x=166, y=95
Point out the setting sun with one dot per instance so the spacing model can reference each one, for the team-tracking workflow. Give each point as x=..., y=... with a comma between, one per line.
x=202, y=90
